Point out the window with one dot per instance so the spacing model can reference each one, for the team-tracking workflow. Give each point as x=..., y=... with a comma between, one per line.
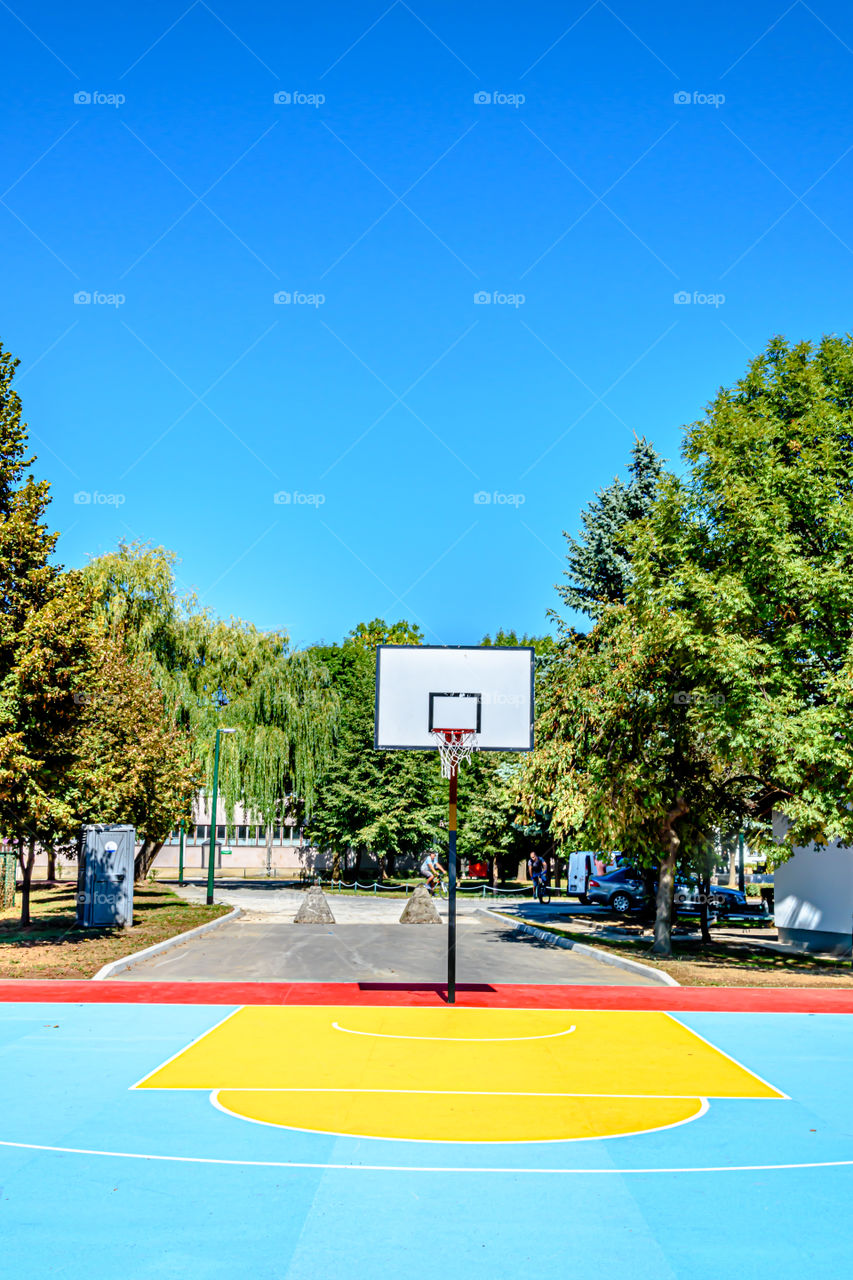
x=220, y=832
x=202, y=834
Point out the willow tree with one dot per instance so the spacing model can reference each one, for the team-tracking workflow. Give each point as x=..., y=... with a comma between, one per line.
x=222, y=673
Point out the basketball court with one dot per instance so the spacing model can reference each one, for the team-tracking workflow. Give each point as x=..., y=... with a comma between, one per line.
x=302, y=1131
x=441, y=1131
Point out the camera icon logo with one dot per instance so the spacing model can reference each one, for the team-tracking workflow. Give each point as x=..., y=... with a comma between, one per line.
x=481, y=498
x=82, y=97
x=682, y=699
x=81, y=296
x=281, y=98
x=482, y=297
x=680, y=97
x=481, y=98
x=681, y=297
x=82, y=498
x=282, y=498
x=281, y=297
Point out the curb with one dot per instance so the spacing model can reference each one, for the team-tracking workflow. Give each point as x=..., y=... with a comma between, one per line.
x=618, y=962
x=127, y=962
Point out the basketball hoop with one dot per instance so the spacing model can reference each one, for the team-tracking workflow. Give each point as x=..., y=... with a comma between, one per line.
x=454, y=747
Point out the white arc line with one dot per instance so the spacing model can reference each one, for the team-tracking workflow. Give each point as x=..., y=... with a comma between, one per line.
x=383, y=1035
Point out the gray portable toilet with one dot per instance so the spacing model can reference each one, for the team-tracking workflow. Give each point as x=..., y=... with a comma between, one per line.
x=105, y=887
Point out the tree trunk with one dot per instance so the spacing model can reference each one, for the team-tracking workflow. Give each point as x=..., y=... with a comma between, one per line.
x=26, y=862
x=51, y=865
x=492, y=864
x=666, y=883
x=144, y=859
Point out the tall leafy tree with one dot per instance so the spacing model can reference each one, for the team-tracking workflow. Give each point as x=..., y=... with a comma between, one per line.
x=626, y=757
x=750, y=558
x=53, y=655
x=45, y=641
x=132, y=764
x=214, y=672
x=382, y=802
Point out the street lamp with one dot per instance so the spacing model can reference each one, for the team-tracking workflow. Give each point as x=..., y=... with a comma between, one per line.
x=212, y=847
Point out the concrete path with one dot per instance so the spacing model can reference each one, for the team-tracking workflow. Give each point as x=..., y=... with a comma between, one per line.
x=270, y=948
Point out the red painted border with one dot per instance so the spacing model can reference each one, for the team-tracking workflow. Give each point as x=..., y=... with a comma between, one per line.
x=710, y=999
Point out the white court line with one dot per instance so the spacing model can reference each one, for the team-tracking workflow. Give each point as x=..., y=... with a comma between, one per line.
x=411, y=1168
x=464, y=1142
x=180, y=1052
x=381, y=1035
x=723, y=1054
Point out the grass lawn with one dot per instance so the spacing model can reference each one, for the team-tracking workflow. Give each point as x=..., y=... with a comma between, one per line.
x=723, y=964
x=53, y=946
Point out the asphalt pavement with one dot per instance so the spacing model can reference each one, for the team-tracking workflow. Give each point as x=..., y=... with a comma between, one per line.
x=367, y=944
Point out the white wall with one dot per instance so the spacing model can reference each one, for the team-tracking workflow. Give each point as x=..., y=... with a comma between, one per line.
x=813, y=890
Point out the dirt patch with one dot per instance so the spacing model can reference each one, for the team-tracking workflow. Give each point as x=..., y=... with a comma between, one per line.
x=54, y=947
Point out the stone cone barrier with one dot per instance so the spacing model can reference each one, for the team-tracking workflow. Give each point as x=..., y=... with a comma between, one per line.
x=314, y=909
x=420, y=908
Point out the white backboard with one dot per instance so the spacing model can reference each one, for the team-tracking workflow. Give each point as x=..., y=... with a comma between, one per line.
x=487, y=689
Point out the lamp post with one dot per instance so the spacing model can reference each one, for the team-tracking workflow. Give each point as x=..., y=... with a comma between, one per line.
x=212, y=845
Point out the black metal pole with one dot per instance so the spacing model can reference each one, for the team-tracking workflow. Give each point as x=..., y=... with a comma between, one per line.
x=451, y=893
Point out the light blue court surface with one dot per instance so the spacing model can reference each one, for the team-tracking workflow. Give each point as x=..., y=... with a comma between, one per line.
x=180, y=1189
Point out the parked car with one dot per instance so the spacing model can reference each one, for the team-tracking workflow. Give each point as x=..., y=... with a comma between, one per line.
x=622, y=890
x=721, y=901
x=625, y=890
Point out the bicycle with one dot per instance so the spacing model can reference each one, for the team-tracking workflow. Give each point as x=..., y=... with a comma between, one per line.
x=439, y=888
x=541, y=891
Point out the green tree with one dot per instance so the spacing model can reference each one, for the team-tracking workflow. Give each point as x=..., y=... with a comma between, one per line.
x=44, y=643
x=382, y=802
x=132, y=765
x=750, y=557
x=52, y=656
x=371, y=634
x=214, y=672
x=599, y=562
x=626, y=758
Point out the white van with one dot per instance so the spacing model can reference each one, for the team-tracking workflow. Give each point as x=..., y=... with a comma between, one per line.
x=583, y=864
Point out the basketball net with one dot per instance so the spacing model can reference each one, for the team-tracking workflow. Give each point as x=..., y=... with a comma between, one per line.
x=454, y=747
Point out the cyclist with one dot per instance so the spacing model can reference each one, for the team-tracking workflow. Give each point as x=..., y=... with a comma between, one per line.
x=432, y=869
x=537, y=871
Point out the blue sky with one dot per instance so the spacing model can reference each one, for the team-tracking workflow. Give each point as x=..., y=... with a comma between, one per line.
x=182, y=399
